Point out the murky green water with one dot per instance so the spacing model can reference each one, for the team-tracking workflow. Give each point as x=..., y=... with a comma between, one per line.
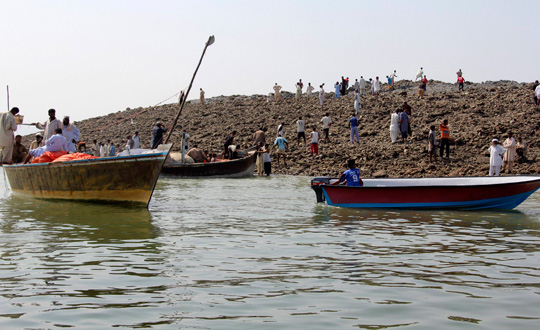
x=260, y=253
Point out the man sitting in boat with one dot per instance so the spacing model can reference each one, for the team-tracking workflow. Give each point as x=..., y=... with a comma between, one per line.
x=197, y=155
x=351, y=176
x=56, y=142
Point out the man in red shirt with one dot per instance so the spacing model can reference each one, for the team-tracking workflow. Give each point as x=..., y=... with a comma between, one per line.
x=460, y=81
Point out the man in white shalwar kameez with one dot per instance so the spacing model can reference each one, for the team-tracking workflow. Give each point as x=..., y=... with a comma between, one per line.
x=496, y=152
x=357, y=100
x=321, y=95
x=510, y=155
x=362, y=84
x=419, y=74
x=8, y=125
x=71, y=133
x=394, y=126
x=309, y=90
x=277, y=93
x=376, y=86
x=50, y=126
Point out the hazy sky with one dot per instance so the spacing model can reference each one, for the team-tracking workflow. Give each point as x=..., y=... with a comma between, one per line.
x=90, y=58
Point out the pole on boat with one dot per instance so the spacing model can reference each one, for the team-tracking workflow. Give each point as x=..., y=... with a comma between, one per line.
x=210, y=41
x=7, y=97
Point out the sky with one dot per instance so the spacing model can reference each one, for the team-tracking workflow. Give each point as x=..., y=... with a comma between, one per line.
x=91, y=58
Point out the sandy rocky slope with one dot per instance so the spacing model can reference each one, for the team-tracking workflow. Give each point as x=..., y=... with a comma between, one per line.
x=482, y=112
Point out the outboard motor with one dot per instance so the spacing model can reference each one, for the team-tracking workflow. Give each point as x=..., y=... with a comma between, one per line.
x=316, y=186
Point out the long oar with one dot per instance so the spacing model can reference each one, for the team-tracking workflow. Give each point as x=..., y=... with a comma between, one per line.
x=210, y=41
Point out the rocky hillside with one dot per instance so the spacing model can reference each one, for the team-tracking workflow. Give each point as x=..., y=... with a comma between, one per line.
x=482, y=112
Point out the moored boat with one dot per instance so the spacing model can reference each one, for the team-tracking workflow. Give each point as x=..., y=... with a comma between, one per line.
x=125, y=179
x=469, y=193
x=235, y=168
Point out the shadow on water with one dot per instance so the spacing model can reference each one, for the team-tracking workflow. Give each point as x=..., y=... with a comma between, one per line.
x=89, y=221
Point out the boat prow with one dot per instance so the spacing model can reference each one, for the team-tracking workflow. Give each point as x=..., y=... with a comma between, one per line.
x=467, y=193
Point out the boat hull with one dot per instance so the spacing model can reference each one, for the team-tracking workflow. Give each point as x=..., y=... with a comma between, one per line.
x=237, y=168
x=447, y=193
x=129, y=179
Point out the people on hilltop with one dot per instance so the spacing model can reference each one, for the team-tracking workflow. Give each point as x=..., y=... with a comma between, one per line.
x=336, y=89
x=353, y=125
x=445, y=138
x=393, y=76
x=419, y=74
x=300, y=130
x=71, y=133
x=321, y=94
x=281, y=144
x=277, y=92
x=299, y=87
x=309, y=90
x=432, y=144
x=351, y=176
x=19, y=151
x=389, y=82
x=376, y=86
x=496, y=153
x=157, y=135
x=459, y=73
x=49, y=127
x=362, y=84
x=344, y=86
x=535, y=97
x=8, y=125
x=201, y=96
x=510, y=155
x=461, y=82
x=537, y=94
x=404, y=125
x=371, y=86
x=356, y=85
x=394, y=126
x=357, y=101
x=326, y=122
x=314, y=145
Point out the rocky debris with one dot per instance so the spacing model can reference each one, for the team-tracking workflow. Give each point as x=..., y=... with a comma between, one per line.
x=482, y=112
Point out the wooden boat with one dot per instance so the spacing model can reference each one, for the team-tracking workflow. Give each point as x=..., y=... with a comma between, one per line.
x=467, y=193
x=236, y=168
x=125, y=179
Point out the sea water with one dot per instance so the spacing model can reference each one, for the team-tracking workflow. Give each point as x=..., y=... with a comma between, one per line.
x=261, y=253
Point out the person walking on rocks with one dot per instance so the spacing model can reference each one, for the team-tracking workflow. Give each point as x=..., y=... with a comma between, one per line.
x=394, y=126
x=299, y=86
x=389, y=81
x=201, y=96
x=326, y=123
x=376, y=86
x=336, y=89
x=404, y=126
x=353, y=124
x=393, y=76
x=432, y=144
x=344, y=84
x=496, y=153
x=321, y=95
x=309, y=90
x=282, y=146
x=419, y=74
x=510, y=155
x=300, y=124
x=461, y=82
x=445, y=138
x=357, y=100
x=314, y=146
x=362, y=84
x=281, y=129
x=277, y=93
x=356, y=85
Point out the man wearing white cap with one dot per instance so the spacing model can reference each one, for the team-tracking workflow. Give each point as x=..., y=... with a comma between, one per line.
x=496, y=153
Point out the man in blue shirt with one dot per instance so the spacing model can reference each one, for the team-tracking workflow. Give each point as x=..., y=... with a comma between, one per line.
x=353, y=124
x=281, y=144
x=351, y=176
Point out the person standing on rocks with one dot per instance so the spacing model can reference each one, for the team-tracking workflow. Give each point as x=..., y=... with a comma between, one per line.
x=408, y=109
x=376, y=86
x=314, y=146
x=326, y=123
x=496, y=152
x=299, y=86
x=425, y=81
x=404, y=126
x=277, y=95
x=362, y=84
x=459, y=73
x=356, y=85
x=281, y=129
x=432, y=146
x=510, y=155
x=353, y=124
x=157, y=135
x=445, y=138
x=201, y=97
x=394, y=126
x=461, y=82
x=282, y=146
x=372, y=85
x=389, y=80
x=393, y=76
x=300, y=124
x=419, y=74
x=343, y=86
x=336, y=89
x=357, y=100
x=309, y=90
x=321, y=95
x=537, y=94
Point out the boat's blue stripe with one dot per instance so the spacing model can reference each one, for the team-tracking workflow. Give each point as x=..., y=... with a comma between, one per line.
x=508, y=202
